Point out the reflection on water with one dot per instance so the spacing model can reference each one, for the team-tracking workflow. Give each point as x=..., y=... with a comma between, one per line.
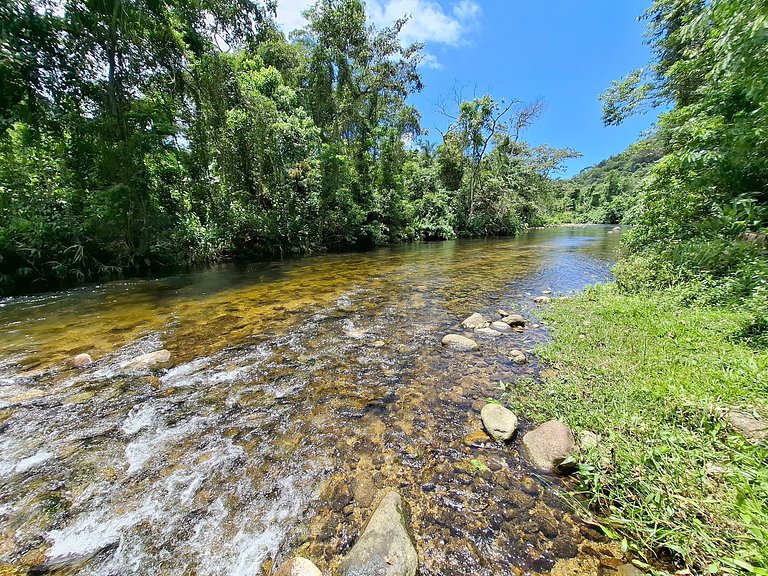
x=298, y=391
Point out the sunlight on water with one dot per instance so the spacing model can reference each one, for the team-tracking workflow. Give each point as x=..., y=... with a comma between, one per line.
x=290, y=386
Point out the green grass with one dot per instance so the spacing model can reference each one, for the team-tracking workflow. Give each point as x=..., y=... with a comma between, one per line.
x=652, y=377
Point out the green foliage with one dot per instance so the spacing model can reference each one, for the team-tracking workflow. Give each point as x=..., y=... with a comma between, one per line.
x=711, y=186
x=156, y=149
x=607, y=192
x=652, y=375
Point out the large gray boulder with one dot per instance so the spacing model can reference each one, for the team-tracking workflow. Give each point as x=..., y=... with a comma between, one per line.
x=548, y=445
x=386, y=547
x=458, y=342
x=298, y=567
x=475, y=321
x=500, y=423
x=151, y=360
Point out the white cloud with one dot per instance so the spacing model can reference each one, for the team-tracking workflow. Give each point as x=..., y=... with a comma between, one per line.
x=429, y=21
x=430, y=61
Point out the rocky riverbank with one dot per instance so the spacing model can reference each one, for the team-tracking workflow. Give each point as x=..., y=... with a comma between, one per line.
x=386, y=546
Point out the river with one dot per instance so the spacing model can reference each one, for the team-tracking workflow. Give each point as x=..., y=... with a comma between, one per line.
x=298, y=391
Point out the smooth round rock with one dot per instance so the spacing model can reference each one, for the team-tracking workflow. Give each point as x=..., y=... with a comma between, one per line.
x=542, y=299
x=458, y=342
x=82, y=360
x=149, y=360
x=549, y=445
x=500, y=326
x=488, y=332
x=475, y=321
x=298, y=567
x=500, y=423
x=514, y=320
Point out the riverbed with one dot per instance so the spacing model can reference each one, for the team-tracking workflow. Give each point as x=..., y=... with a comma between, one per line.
x=297, y=392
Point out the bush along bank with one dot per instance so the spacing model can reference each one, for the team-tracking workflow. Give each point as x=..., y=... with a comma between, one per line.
x=678, y=399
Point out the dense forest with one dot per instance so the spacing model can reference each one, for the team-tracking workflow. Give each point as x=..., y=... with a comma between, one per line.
x=189, y=132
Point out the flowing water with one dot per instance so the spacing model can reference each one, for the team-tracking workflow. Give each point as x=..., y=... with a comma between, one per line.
x=297, y=393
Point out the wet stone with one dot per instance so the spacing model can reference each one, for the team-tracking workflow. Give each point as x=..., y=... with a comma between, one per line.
x=459, y=343
x=500, y=423
x=474, y=321
x=386, y=547
x=514, y=320
x=298, y=567
x=82, y=360
x=549, y=445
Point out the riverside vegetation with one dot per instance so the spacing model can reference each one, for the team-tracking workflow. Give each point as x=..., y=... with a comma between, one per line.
x=196, y=132
x=670, y=362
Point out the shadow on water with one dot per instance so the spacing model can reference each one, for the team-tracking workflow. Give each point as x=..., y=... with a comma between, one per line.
x=298, y=392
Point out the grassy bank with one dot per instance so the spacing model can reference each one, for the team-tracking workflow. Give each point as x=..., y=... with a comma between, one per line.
x=653, y=378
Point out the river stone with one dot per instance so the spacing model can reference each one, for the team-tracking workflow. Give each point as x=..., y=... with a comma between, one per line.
x=500, y=326
x=606, y=569
x=386, y=547
x=514, y=320
x=617, y=228
x=488, y=332
x=457, y=342
x=548, y=445
x=754, y=429
x=298, y=567
x=500, y=423
x=519, y=357
x=82, y=360
x=475, y=321
x=502, y=313
x=542, y=299
x=149, y=360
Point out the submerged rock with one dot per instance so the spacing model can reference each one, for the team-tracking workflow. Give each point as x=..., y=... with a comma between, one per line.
x=149, y=360
x=82, y=360
x=458, y=342
x=609, y=569
x=519, y=357
x=475, y=321
x=500, y=326
x=754, y=429
x=298, y=567
x=488, y=332
x=500, y=423
x=386, y=547
x=549, y=445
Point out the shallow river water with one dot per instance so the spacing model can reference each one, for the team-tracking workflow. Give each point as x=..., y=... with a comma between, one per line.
x=296, y=394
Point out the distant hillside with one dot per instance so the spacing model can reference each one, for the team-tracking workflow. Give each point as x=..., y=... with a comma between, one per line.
x=606, y=192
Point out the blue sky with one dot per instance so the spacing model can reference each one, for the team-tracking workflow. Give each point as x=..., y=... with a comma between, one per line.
x=564, y=51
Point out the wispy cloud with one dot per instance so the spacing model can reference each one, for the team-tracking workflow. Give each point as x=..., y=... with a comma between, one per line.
x=429, y=21
x=430, y=61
